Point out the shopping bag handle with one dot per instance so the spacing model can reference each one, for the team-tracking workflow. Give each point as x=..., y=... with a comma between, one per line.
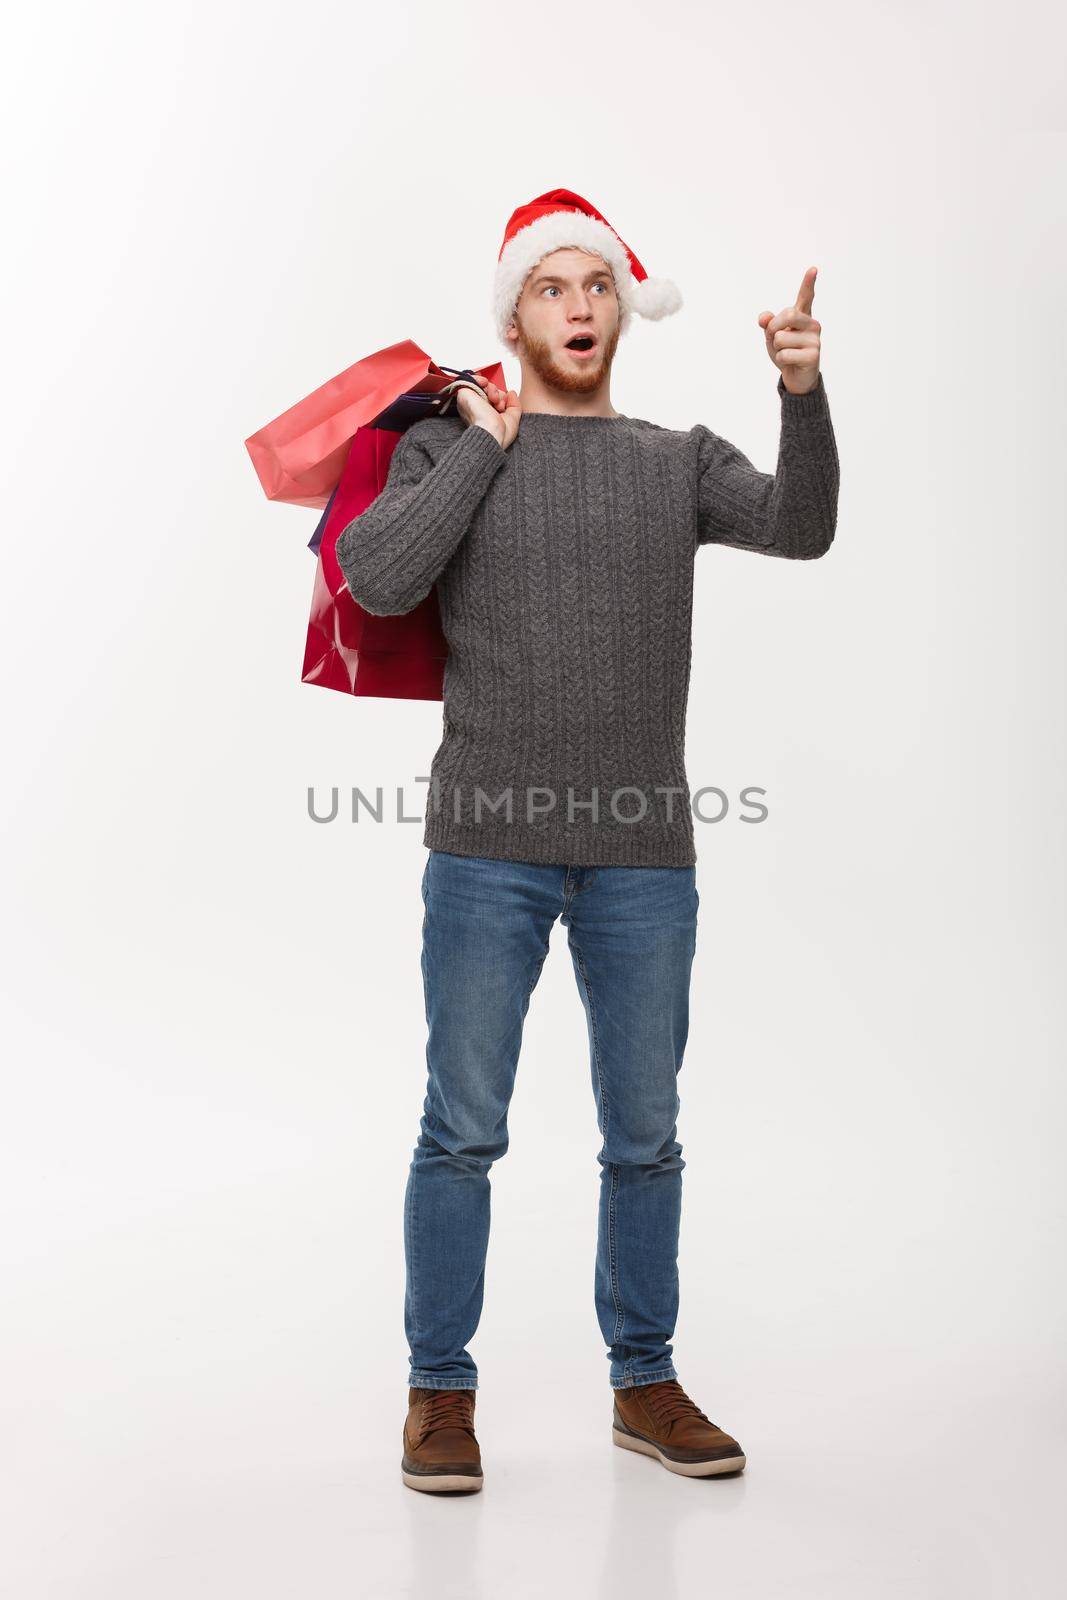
x=465, y=380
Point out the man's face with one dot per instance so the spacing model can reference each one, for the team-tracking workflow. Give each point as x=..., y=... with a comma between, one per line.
x=570, y=293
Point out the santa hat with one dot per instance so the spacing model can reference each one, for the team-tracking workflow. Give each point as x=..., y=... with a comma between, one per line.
x=560, y=219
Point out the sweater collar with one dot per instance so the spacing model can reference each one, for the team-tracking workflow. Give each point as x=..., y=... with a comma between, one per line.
x=552, y=419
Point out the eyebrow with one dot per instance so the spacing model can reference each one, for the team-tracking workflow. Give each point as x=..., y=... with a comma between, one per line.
x=545, y=277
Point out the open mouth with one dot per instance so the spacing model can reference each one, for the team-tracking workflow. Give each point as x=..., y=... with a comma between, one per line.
x=583, y=344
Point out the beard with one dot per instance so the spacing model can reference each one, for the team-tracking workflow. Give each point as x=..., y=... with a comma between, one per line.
x=556, y=372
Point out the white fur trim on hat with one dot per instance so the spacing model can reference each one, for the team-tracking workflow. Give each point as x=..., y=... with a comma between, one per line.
x=652, y=297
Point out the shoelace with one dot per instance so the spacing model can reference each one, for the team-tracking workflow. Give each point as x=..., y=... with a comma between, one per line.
x=668, y=1402
x=447, y=1408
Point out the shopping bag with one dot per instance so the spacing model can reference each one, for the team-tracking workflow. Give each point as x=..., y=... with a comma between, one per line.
x=347, y=648
x=332, y=450
x=412, y=406
x=350, y=649
x=299, y=456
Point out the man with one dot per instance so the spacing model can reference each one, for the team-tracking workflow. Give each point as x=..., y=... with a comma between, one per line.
x=561, y=536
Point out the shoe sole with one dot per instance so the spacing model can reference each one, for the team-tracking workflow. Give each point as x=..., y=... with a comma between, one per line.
x=688, y=1469
x=440, y=1482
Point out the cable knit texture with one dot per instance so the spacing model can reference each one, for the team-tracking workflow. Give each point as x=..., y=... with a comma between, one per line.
x=564, y=571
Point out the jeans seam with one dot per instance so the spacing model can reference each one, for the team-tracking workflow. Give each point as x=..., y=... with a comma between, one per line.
x=534, y=979
x=620, y=1315
x=414, y=1275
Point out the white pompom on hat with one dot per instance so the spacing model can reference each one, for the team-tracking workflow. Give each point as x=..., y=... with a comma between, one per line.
x=561, y=219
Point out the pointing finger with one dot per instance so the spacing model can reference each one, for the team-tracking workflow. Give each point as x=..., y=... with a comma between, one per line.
x=806, y=292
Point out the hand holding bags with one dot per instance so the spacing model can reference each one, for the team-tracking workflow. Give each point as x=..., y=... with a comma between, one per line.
x=332, y=450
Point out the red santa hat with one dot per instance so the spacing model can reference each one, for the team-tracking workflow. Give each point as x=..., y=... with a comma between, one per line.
x=560, y=219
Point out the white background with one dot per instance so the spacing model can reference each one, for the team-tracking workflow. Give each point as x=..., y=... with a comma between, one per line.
x=213, y=1023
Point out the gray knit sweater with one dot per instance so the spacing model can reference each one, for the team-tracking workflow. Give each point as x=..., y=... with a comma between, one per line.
x=564, y=572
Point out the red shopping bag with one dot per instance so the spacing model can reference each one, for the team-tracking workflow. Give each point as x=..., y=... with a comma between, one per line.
x=298, y=457
x=332, y=450
x=348, y=648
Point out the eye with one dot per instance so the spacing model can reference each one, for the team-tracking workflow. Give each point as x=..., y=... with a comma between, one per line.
x=551, y=288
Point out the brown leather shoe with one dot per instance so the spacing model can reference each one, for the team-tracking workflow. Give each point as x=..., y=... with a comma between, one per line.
x=440, y=1447
x=660, y=1420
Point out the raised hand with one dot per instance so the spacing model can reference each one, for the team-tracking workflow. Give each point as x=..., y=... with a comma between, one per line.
x=793, y=338
x=496, y=409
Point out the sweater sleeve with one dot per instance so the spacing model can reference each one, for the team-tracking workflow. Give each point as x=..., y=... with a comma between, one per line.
x=393, y=552
x=792, y=513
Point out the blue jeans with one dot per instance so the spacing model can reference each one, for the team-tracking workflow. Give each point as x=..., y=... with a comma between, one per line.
x=632, y=936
